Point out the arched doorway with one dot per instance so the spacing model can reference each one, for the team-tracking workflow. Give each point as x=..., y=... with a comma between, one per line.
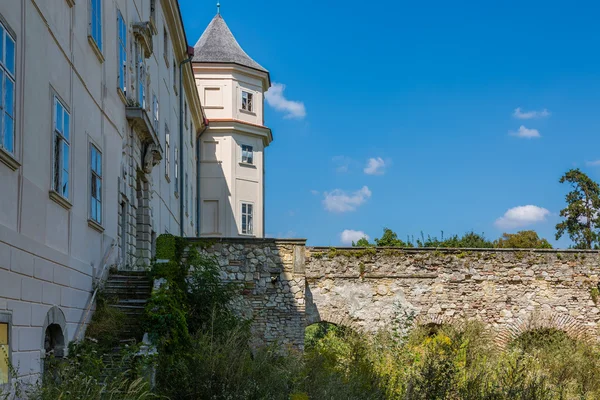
x=55, y=337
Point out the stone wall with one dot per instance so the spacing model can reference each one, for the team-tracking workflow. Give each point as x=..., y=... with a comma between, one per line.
x=272, y=283
x=509, y=290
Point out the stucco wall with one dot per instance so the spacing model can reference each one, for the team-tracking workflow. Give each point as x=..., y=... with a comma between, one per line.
x=510, y=291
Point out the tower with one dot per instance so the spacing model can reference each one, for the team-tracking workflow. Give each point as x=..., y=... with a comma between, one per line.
x=231, y=86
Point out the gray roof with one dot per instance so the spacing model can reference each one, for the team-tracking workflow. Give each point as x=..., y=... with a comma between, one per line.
x=218, y=45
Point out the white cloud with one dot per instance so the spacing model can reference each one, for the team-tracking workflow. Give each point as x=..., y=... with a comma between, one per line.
x=339, y=201
x=522, y=216
x=375, y=166
x=520, y=114
x=593, y=163
x=276, y=99
x=526, y=133
x=315, y=192
x=348, y=236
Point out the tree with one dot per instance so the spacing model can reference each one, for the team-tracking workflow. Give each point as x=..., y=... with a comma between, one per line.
x=362, y=242
x=522, y=240
x=468, y=240
x=581, y=218
x=390, y=239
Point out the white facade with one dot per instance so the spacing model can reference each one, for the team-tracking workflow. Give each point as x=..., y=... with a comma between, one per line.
x=232, y=163
x=70, y=191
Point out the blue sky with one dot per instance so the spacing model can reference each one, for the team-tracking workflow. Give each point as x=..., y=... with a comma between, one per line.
x=428, y=90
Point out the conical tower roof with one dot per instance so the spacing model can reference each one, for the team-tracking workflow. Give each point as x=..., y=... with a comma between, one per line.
x=218, y=45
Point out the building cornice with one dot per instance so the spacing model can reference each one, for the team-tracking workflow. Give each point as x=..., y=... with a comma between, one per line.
x=220, y=67
x=244, y=127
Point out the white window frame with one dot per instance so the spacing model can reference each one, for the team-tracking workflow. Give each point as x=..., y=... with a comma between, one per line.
x=247, y=154
x=247, y=211
x=167, y=153
x=155, y=112
x=141, y=76
x=96, y=22
x=176, y=166
x=61, y=140
x=7, y=78
x=122, y=52
x=186, y=194
x=95, y=179
x=247, y=101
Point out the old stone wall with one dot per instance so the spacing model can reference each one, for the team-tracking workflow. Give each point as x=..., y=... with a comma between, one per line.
x=509, y=290
x=272, y=284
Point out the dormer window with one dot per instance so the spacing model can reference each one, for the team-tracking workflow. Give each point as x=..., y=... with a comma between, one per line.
x=247, y=101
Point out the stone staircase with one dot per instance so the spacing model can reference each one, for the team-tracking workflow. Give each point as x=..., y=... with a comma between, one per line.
x=130, y=291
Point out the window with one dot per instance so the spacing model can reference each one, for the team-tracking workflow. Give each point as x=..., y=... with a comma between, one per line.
x=4, y=349
x=155, y=111
x=166, y=45
x=122, y=32
x=174, y=77
x=247, y=103
x=96, y=184
x=185, y=113
x=247, y=219
x=176, y=159
x=192, y=133
x=7, y=91
x=61, y=149
x=247, y=154
x=167, y=151
x=141, y=76
x=96, y=22
x=186, y=194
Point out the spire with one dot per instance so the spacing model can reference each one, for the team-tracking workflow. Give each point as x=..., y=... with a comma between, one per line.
x=218, y=8
x=218, y=45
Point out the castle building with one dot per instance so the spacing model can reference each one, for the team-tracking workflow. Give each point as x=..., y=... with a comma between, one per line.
x=98, y=142
x=231, y=164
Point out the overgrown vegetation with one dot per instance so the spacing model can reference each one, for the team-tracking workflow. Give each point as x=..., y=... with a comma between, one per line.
x=519, y=240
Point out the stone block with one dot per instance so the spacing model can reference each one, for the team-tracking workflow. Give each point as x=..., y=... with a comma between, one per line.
x=50, y=293
x=10, y=285
x=4, y=256
x=31, y=290
x=62, y=275
x=38, y=314
x=73, y=298
x=43, y=269
x=21, y=262
x=30, y=339
x=21, y=313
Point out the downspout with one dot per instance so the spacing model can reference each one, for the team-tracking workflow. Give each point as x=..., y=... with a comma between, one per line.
x=198, y=203
x=181, y=163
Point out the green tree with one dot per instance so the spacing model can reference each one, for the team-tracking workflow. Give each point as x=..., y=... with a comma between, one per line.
x=468, y=240
x=362, y=242
x=581, y=218
x=390, y=239
x=522, y=240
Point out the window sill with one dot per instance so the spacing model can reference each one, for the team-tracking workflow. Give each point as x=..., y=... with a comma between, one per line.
x=248, y=234
x=167, y=178
x=214, y=107
x=71, y=3
x=95, y=225
x=247, y=165
x=247, y=112
x=8, y=159
x=122, y=96
x=96, y=49
x=64, y=203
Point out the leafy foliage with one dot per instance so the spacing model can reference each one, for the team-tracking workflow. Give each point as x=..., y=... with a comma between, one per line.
x=581, y=217
x=522, y=240
x=390, y=239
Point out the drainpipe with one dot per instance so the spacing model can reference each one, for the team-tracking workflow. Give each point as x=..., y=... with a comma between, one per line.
x=181, y=172
x=198, y=203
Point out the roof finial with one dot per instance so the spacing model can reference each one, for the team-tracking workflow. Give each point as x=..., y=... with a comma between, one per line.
x=218, y=8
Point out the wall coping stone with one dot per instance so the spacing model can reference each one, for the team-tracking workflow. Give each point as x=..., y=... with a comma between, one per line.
x=245, y=240
x=453, y=249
